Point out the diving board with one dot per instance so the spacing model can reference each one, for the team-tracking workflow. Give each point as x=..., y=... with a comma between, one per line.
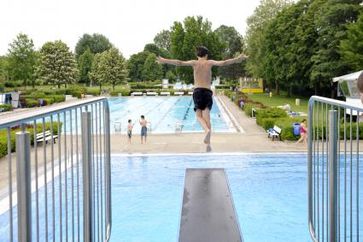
x=208, y=213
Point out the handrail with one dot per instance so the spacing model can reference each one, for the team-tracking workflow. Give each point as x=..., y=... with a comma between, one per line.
x=40, y=112
x=330, y=188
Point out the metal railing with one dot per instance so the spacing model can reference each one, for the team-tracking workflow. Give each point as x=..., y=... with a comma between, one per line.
x=59, y=188
x=334, y=133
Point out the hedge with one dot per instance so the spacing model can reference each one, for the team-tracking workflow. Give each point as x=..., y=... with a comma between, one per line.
x=5, y=107
x=321, y=131
x=39, y=129
x=268, y=114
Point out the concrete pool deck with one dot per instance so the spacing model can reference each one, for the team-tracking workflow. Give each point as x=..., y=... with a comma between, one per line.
x=253, y=139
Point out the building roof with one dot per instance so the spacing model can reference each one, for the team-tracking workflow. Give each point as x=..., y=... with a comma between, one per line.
x=348, y=77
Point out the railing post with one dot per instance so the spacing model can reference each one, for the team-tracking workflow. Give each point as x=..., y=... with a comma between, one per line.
x=107, y=168
x=87, y=176
x=23, y=186
x=333, y=196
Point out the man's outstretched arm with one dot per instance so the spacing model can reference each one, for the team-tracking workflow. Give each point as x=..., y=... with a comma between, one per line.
x=175, y=62
x=238, y=59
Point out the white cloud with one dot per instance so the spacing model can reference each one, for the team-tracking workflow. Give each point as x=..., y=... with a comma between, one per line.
x=129, y=24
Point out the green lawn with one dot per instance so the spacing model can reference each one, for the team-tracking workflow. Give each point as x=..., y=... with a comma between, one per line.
x=280, y=100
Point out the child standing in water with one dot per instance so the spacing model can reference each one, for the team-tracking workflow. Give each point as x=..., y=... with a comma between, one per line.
x=202, y=94
x=129, y=130
x=143, y=124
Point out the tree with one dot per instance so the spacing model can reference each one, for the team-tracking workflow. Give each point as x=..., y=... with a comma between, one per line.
x=85, y=66
x=22, y=59
x=258, y=24
x=331, y=23
x=232, y=43
x=162, y=40
x=186, y=37
x=135, y=65
x=108, y=67
x=97, y=43
x=57, y=64
x=351, y=48
x=153, y=48
x=4, y=76
x=151, y=70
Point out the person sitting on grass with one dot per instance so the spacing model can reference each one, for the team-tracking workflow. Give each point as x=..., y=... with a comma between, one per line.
x=202, y=94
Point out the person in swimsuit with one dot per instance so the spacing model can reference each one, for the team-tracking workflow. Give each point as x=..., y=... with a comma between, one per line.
x=129, y=130
x=143, y=124
x=303, y=132
x=202, y=94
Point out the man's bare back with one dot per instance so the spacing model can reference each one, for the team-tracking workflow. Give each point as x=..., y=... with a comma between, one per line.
x=202, y=68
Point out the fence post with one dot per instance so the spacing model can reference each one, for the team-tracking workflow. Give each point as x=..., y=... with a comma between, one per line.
x=87, y=176
x=107, y=168
x=333, y=196
x=23, y=186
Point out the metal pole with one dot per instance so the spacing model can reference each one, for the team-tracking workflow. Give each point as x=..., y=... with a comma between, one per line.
x=311, y=221
x=23, y=186
x=333, y=195
x=107, y=151
x=87, y=176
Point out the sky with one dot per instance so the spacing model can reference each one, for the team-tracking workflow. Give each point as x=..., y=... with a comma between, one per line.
x=128, y=24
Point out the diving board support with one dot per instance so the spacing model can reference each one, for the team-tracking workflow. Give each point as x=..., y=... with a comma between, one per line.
x=208, y=212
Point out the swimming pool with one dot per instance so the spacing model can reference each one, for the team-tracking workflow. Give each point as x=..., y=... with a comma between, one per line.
x=164, y=113
x=269, y=192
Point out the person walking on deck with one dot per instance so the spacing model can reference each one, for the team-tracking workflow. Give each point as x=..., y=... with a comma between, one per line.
x=202, y=94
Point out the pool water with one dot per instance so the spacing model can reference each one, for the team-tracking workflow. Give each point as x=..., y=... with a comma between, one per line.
x=269, y=192
x=164, y=113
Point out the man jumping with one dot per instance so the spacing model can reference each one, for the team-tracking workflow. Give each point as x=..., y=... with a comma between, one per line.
x=202, y=94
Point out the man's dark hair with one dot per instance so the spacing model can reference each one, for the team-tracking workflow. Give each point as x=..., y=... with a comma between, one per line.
x=360, y=82
x=142, y=116
x=202, y=51
x=129, y=121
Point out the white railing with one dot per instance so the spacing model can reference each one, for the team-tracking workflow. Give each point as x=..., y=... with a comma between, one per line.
x=59, y=188
x=334, y=170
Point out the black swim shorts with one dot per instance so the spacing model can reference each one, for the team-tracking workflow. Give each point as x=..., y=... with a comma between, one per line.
x=203, y=98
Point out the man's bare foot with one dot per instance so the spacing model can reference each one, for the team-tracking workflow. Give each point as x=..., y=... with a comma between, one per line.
x=207, y=138
x=209, y=148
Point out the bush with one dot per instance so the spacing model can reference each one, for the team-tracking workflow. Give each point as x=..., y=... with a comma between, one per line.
x=124, y=92
x=248, y=109
x=38, y=94
x=58, y=98
x=5, y=107
x=273, y=113
x=287, y=130
x=145, y=85
x=267, y=123
x=30, y=102
x=12, y=84
x=76, y=91
x=39, y=128
x=95, y=91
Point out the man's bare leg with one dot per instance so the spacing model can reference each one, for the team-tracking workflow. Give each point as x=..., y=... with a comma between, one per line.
x=201, y=120
x=206, y=118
